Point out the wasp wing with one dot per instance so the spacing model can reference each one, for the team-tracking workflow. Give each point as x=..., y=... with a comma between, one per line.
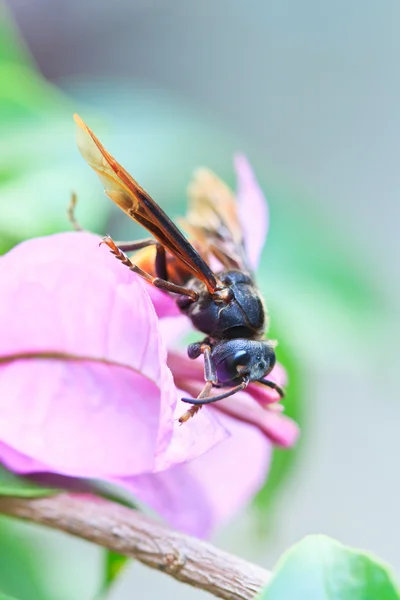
x=136, y=203
x=212, y=220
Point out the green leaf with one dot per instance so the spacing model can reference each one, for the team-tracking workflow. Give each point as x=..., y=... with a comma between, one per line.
x=12, y=545
x=12, y=48
x=114, y=564
x=39, y=163
x=4, y=597
x=15, y=485
x=21, y=566
x=23, y=91
x=320, y=568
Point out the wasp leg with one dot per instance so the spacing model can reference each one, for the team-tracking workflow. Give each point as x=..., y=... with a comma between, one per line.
x=71, y=213
x=161, y=259
x=194, y=351
x=273, y=386
x=209, y=399
x=162, y=284
x=210, y=375
x=205, y=392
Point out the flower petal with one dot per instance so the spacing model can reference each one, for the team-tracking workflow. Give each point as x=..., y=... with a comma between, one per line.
x=63, y=296
x=80, y=418
x=164, y=304
x=173, y=329
x=193, y=438
x=18, y=462
x=199, y=496
x=63, y=293
x=253, y=210
x=279, y=428
x=185, y=368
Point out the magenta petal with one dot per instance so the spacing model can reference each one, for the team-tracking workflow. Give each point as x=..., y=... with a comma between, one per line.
x=173, y=329
x=193, y=438
x=165, y=305
x=18, y=462
x=199, y=496
x=280, y=429
x=184, y=368
x=253, y=210
x=80, y=418
x=64, y=295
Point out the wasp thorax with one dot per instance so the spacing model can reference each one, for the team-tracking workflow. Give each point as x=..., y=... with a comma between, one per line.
x=242, y=359
x=234, y=311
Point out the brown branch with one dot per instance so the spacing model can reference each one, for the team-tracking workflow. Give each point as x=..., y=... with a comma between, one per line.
x=133, y=534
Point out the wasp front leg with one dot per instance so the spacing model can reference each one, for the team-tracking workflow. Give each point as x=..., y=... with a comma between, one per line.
x=210, y=376
x=204, y=348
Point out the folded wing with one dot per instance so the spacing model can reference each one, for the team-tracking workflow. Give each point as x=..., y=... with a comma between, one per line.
x=136, y=203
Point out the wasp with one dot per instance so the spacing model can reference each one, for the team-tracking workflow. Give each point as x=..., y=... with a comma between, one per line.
x=223, y=303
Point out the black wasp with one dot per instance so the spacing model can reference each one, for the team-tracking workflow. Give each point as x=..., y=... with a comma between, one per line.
x=225, y=305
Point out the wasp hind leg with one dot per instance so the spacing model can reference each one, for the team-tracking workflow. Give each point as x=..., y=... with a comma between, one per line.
x=161, y=257
x=161, y=263
x=158, y=282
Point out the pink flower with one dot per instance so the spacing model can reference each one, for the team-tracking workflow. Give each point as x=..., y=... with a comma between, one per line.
x=87, y=389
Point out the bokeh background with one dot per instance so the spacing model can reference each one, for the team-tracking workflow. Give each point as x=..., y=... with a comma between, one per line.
x=310, y=92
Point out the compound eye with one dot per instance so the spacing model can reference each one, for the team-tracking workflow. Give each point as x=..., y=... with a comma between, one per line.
x=239, y=358
x=227, y=369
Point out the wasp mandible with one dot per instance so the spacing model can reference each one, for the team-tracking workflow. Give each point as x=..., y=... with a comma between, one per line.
x=224, y=304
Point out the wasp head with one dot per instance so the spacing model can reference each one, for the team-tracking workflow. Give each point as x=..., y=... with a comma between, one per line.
x=240, y=359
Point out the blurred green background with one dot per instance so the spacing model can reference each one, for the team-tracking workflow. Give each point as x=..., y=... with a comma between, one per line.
x=310, y=93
